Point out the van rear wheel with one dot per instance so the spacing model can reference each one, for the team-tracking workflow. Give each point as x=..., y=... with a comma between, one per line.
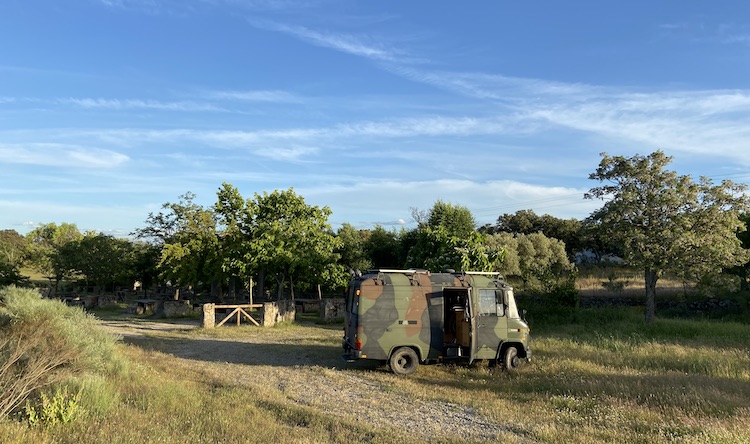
x=404, y=361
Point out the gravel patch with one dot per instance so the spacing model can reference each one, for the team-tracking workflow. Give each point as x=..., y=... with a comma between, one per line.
x=313, y=376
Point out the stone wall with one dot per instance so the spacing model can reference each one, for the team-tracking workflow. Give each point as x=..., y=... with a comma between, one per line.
x=332, y=310
x=275, y=312
x=176, y=309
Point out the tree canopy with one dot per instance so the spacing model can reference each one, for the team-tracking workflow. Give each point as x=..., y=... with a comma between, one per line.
x=667, y=222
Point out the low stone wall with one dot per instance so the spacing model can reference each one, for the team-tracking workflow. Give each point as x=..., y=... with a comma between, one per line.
x=176, y=309
x=332, y=309
x=275, y=312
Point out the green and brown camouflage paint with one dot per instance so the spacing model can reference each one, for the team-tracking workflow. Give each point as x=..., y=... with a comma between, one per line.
x=439, y=315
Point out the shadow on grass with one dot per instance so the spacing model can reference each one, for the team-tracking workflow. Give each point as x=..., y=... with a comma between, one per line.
x=284, y=353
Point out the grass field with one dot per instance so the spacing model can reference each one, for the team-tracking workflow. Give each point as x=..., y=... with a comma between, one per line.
x=605, y=378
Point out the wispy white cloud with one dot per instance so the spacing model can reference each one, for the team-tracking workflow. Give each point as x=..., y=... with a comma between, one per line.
x=286, y=153
x=722, y=33
x=254, y=96
x=702, y=122
x=485, y=199
x=130, y=104
x=60, y=155
x=259, y=139
x=361, y=46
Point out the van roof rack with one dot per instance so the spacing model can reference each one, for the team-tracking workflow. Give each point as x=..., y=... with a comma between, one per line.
x=406, y=271
x=484, y=273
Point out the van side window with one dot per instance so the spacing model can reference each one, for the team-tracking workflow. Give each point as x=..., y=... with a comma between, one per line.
x=491, y=303
x=487, y=302
x=350, y=302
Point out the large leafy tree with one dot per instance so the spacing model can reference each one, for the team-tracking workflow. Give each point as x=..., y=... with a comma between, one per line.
x=101, y=259
x=291, y=239
x=528, y=222
x=45, y=250
x=667, y=222
x=13, y=247
x=188, y=233
x=743, y=270
x=352, y=247
x=446, y=239
x=383, y=248
x=278, y=234
x=456, y=219
x=13, y=251
x=539, y=261
x=231, y=213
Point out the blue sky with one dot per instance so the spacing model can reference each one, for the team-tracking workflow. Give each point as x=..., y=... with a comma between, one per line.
x=110, y=108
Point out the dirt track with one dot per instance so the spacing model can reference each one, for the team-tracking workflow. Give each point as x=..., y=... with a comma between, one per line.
x=313, y=375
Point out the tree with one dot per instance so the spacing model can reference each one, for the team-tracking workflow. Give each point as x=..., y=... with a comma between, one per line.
x=290, y=238
x=13, y=251
x=528, y=222
x=13, y=247
x=190, y=251
x=539, y=261
x=45, y=245
x=352, y=247
x=666, y=222
x=100, y=258
x=279, y=234
x=383, y=248
x=144, y=260
x=447, y=240
x=743, y=270
x=231, y=213
x=456, y=219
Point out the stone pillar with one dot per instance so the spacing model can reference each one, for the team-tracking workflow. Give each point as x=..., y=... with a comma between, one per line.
x=269, y=314
x=275, y=312
x=209, y=315
x=331, y=310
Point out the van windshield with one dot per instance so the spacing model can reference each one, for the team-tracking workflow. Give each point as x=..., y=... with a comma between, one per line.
x=512, y=309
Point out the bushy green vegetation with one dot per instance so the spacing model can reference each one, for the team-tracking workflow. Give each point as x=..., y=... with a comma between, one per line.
x=44, y=342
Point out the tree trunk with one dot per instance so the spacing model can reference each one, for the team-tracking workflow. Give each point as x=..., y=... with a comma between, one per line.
x=250, y=291
x=262, y=285
x=280, y=278
x=291, y=286
x=651, y=276
x=320, y=293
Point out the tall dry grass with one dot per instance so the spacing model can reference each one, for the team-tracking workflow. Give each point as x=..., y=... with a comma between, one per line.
x=604, y=378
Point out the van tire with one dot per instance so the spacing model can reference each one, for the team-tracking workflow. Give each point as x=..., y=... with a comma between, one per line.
x=511, y=361
x=404, y=361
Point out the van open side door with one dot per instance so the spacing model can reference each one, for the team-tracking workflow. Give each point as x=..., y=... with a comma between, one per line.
x=471, y=305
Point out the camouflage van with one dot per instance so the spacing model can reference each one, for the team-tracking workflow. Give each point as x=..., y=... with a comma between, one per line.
x=408, y=317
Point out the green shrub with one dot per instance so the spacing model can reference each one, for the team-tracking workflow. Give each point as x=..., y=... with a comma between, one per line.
x=60, y=408
x=79, y=330
x=44, y=341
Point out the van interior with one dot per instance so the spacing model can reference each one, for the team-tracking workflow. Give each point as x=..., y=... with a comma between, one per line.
x=456, y=327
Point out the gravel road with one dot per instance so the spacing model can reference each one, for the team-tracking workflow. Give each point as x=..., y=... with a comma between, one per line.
x=314, y=376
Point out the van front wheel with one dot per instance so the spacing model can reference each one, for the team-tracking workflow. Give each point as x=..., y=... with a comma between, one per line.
x=511, y=361
x=404, y=361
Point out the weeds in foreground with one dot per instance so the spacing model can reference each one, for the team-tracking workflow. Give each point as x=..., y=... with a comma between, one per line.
x=606, y=377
